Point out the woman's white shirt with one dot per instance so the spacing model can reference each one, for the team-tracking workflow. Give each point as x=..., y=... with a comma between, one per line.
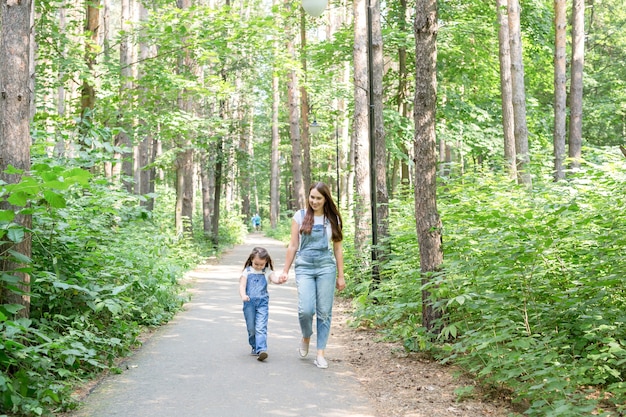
x=299, y=218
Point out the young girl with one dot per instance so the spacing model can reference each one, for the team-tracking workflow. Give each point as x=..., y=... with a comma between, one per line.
x=253, y=291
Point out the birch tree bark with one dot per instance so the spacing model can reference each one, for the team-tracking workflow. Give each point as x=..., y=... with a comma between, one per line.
x=576, y=83
x=428, y=222
x=560, y=88
x=506, y=89
x=15, y=109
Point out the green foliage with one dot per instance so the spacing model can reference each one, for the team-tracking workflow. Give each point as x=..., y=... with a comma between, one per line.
x=101, y=269
x=532, y=292
x=282, y=231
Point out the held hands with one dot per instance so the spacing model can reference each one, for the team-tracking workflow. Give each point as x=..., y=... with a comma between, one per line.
x=283, y=277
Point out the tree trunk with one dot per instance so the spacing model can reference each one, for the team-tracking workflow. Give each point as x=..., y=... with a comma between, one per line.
x=427, y=219
x=304, y=108
x=275, y=155
x=349, y=184
x=294, y=129
x=217, y=192
x=184, y=157
x=506, y=88
x=146, y=147
x=274, y=152
x=576, y=83
x=339, y=17
x=88, y=93
x=126, y=85
x=560, y=88
x=361, y=135
x=380, y=146
x=205, y=174
x=245, y=168
x=218, y=151
x=519, y=95
x=15, y=109
x=403, y=100
x=59, y=146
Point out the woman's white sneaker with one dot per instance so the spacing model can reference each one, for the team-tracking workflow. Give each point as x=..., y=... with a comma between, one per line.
x=303, y=350
x=320, y=362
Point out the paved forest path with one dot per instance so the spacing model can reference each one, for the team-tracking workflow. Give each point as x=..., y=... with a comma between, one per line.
x=200, y=365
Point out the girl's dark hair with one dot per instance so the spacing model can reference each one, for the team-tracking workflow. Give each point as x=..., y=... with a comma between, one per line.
x=331, y=212
x=261, y=253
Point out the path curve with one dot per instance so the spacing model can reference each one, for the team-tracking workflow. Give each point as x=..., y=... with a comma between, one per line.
x=200, y=365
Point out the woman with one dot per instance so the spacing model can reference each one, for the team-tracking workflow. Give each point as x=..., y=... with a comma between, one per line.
x=316, y=235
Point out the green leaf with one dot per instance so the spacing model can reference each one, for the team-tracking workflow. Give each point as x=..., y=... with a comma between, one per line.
x=20, y=257
x=14, y=171
x=11, y=308
x=16, y=234
x=7, y=215
x=12, y=279
x=55, y=200
x=18, y=199
x=78, y=175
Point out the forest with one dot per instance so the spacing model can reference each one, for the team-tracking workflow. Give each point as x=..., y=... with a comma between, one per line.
x=476, y=150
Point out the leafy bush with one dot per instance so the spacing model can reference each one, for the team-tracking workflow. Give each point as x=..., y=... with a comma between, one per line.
x=102, y=268
x=532, y=292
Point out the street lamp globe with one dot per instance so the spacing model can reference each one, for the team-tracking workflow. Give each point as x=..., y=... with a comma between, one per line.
x=314, y=7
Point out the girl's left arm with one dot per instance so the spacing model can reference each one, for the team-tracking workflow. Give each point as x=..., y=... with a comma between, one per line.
x=341, y=281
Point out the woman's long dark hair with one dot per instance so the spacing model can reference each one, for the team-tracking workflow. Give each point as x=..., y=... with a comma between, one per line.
x=261, y=253
x=331, y=212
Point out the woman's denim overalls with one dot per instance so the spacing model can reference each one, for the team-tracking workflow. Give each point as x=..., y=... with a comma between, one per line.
x=316, y=272
x=256, y=310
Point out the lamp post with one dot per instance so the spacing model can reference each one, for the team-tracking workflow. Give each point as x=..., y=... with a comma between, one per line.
x=337, y=162
x=315, y=8
x=372, y=137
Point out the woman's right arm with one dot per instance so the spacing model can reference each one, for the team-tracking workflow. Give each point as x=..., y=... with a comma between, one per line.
x=294, y=242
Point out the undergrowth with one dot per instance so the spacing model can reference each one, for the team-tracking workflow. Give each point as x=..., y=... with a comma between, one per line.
x=103, y=268
x=532, y=290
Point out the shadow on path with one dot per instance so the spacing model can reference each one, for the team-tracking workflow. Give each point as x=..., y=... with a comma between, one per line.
x=200, y=364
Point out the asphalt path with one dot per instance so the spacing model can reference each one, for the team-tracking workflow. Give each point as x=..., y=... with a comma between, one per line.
x=199, y=364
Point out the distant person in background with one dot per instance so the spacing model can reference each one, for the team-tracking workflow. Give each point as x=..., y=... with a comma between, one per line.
x=256, y=222
x=315, y=244
x=257, y=271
